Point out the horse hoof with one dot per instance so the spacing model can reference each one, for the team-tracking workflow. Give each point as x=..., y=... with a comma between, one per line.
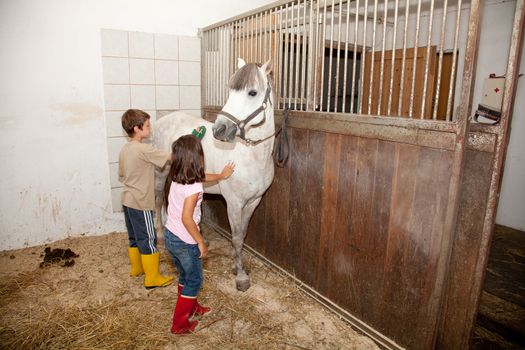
x=242, y=285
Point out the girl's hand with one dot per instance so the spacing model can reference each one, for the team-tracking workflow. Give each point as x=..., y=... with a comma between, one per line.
x=203, y=249
x=228, y=170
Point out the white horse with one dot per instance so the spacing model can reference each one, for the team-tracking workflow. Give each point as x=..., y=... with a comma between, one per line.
x=243, y=133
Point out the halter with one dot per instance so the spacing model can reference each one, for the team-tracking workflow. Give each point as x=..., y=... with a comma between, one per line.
x=242, y=123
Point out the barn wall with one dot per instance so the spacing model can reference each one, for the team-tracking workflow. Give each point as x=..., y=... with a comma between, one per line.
x=55, y=176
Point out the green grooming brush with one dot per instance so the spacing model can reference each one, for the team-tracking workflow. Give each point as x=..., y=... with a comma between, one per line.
x=199, y=134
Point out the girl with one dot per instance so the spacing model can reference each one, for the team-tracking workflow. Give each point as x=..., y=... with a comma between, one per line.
x=182, y=197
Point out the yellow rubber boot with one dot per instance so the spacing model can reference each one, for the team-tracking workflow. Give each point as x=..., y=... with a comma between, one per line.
x=135, y=261
x=153, y=279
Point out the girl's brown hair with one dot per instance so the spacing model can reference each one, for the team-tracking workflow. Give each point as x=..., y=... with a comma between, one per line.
x=187, y=166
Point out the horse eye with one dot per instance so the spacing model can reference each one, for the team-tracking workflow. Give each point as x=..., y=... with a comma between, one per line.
x=252, y=93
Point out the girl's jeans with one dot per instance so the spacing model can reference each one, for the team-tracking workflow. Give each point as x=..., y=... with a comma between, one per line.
x=186, y=258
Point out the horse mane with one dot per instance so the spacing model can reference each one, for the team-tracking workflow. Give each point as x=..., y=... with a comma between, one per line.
x=248, y=76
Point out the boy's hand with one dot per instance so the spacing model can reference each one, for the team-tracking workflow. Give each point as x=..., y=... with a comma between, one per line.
x=228, y=170
x=203, y=249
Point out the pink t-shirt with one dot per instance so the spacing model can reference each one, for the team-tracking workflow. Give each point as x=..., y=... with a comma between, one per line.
x=178, y=194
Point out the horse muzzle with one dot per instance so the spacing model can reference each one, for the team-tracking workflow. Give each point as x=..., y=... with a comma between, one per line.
x=224, y=132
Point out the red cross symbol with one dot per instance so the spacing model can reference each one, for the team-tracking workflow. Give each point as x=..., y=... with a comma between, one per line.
x=496, y=90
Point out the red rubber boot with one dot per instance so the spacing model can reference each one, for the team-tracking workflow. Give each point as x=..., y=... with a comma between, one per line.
x=181, y=315
x=197, y=309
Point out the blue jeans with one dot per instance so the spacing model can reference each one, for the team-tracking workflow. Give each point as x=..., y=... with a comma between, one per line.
x=186, y=258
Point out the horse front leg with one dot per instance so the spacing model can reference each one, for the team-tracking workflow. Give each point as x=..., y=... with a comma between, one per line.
x=239, y=220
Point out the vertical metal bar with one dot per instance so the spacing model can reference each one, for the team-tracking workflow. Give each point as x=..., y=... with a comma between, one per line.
x=336, y=92
x=402, y=80
x=329, y=93
x=454, y=59
x=392, y=70
x=363, y=59
x=286, y=54
x=414, y=66
x=354, y=59
x=216, y=67
x=251, y=40
x=316, y=55
x=347, y=39
x=380, y=99
x=304, y=38
x=281, y=58
x=310, y=54
x=372, y=63
x=292, y=56
x=204, y=67
x=322, y=39
x=261, y=33
x=429, y=42
x=297, y=54
x=440, y=62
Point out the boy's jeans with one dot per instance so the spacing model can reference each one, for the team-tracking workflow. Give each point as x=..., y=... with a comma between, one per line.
x=186, y=258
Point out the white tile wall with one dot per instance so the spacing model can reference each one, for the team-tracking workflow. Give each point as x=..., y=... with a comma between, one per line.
x=189, y=48
x=141, y=45
x=116, y=195
x=114, y=43
x=141, y=71
x=113, y=175
x=143, y=96
x=116, y=70
x=166, y=72
x=190, y=97
x=166, y=46
x=158, y=73
x=190, y=73
x=114, y=146
x=114, y=123
x=116, y=97
x=167, y=97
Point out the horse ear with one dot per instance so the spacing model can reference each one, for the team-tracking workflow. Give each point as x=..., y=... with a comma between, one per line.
x=267, y=67
x=240, y=63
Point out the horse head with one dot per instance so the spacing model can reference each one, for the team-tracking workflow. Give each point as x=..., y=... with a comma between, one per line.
x=249, y=105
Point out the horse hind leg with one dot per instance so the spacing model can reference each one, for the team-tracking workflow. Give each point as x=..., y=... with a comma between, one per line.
x=239, y=220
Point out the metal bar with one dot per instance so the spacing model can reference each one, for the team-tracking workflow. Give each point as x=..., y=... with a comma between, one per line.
x=402, y=79
x=429, y=42
x=311, y=50
x=354, y=60
x=322, y=42
x=292, y=57
x=440, y=62
x=262, y=29
x=336, y=92
x=454, y=59
x=380, y=100
x=279, y=50
x=304, y=38
x=318, y=52
x=414, y=65
x=363, y=61
x=345, y=69
x=297, y=55
x=329, y=93
x=371, y=85
x=204, y=75
x=392, y=70
x=286, y=54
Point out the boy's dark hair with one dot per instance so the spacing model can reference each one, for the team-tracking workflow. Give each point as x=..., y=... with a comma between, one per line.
x=187, y=166
x=132, y=118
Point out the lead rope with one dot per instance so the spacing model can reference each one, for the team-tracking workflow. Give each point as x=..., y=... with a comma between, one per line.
x=281, y=149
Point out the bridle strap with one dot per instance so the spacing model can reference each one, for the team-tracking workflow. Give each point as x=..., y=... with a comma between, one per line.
x=242, y=123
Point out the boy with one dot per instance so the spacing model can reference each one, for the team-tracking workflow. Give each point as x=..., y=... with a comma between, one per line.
x=137, y=162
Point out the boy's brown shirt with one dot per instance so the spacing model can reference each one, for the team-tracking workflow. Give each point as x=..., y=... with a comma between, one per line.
x=137, y=163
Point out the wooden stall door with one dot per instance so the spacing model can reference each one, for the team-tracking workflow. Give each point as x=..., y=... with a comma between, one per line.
x=381, y=107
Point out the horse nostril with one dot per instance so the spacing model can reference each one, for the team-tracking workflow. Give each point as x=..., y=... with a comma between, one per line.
x=219, y=130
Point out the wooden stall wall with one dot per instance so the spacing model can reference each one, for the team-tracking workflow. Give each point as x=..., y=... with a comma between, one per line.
x=360, y=220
